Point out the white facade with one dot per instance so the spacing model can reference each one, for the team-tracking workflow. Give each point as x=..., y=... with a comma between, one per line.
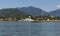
x=48, y=19
x=28, y=19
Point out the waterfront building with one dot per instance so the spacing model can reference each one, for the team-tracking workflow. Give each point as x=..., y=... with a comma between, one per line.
x=48, y=19
x=28, y=19
x=1, y=19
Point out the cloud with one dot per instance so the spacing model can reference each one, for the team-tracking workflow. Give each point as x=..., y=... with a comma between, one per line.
x=58, y=6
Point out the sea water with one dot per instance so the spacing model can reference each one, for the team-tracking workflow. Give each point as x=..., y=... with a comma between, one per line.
x=24, y=28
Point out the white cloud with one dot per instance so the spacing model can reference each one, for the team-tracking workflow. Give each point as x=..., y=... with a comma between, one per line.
x=58, y=6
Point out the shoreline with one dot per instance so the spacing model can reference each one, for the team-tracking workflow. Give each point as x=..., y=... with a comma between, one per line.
x=41, y=20
x=53, y=20
x=46, y=21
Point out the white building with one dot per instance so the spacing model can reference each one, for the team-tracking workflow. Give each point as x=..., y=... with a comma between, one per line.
x=28, y=19
x=48, y=19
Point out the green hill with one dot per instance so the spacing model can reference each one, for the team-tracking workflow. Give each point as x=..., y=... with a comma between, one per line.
x=11, y=12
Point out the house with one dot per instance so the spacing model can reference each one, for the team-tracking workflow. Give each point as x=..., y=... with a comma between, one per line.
x=28, y=19
x=1, y=19
x=48, y=19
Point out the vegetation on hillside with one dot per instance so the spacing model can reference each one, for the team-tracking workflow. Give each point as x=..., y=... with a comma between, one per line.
x=14, y=14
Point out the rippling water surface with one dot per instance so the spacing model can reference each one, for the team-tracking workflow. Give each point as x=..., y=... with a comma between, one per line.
x=20, y=28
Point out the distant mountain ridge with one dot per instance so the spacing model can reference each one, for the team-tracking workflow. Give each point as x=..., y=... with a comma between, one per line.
x=33, y=11
x=55, y=12
x=11, y=12
x=17, y=12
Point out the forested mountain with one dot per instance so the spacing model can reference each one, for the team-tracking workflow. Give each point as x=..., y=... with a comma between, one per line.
x=24, y=11
x=33, y=11
x=11, y=12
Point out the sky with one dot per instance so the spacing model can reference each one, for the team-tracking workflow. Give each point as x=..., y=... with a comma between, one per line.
x=47, y=5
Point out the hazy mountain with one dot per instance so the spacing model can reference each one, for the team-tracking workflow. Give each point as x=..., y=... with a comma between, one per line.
x=16, y=12
x=11, y=12
x=55, y=12
x=33, y=11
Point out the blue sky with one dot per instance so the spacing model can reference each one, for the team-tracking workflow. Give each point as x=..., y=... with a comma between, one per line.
x=47, y=5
